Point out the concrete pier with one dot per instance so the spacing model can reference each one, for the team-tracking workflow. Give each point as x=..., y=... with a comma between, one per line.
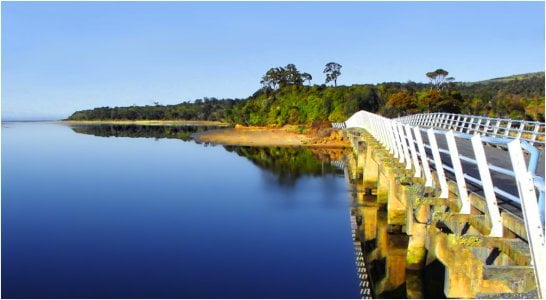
x=408, y=232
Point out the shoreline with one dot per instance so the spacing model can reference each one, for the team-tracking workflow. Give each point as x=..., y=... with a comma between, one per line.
x=149, y=122
x=255, y=136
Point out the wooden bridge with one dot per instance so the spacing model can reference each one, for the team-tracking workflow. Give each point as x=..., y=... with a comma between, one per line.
x=466, y=191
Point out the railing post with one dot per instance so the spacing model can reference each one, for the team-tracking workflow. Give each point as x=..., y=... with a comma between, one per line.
x=437, y=117
x=386, y=135
x=437, y=120
x=413, y=152
x=423, y=154
x=529, y=206
x=521, y=128
x=404, y=146
x=380, y=133
x=452, y=119
x=486, y=126
x=398, y=141
x=478, y=124
x=458, y=169
x=469, y=127
x=535, y=132
x=446, y=121
x=487, y=185
x=434, y=119
x=508, y=128
x=438, y=165
x=497, y=127
x=463, y=123
x=383, y=132
x=388, y=124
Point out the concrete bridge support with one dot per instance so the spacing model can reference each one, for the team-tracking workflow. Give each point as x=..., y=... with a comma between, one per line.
x=407, y=228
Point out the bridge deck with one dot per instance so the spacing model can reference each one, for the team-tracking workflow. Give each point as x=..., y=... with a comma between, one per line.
x=496, y=156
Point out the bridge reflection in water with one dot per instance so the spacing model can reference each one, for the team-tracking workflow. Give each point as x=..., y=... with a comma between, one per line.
x=385, y=246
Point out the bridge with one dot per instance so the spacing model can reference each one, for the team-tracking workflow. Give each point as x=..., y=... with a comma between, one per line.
x=468, y=191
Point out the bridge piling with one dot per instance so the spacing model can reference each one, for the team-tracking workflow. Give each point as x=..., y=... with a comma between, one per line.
x=430, y=220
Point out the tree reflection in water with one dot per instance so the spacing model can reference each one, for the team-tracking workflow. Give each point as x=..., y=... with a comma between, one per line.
x=141, y=131
x=286, y=163
x=290, y=163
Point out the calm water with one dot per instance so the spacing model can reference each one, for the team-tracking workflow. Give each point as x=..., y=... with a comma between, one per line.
x=88, y=215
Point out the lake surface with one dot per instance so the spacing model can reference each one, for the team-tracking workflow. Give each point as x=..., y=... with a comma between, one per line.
x=152, y=214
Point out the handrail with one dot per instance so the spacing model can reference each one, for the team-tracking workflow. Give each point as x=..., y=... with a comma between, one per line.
x=531, y=131
x=338, y=125
x=402, y=138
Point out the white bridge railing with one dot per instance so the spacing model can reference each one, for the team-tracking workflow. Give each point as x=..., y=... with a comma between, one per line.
x=418, y=148
x=530, y=131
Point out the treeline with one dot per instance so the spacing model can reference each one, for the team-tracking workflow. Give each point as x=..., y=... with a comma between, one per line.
x=507, y=97
x=304, y=104
x=288, y=100
x=210, y=109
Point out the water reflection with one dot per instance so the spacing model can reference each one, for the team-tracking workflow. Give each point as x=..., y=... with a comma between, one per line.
x=141, y=131
x=287, y=164
x=384, y=246
x=92, y=217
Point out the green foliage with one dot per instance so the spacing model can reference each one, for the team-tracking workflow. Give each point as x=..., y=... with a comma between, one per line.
x=332, y=71
x=210, y=109
x=280, y=77
x=401, y=103
x=303, y=105
x=520, y=96
x=295, y=103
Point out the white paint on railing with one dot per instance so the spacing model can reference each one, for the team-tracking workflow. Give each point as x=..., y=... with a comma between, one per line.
x=535, y=231
x=459, y=175
x=413, y=152
x=398, y=142
x=423, y=154
x=487, y=185
x=530, y=131
x=392, y=139
x=404, y=146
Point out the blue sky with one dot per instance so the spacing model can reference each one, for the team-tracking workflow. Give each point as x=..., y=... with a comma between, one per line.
x=64, y=56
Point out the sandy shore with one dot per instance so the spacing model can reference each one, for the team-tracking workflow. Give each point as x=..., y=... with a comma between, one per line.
x=263, y=136
x=286, y=136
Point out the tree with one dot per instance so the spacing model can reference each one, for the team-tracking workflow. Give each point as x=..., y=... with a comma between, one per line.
x=332, y=71
x=279, y=77
x=441, y=101
x=438, y=78
x=306, y=77
x=272, y=78
x=403, y=103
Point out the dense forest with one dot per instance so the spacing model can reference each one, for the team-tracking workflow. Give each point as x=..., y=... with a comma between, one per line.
x=285, y=98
